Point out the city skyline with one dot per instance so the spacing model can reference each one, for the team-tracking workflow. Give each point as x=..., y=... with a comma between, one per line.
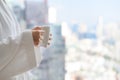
x=86, y=11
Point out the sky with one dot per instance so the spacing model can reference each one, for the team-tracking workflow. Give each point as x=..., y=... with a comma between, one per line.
x=86, y=11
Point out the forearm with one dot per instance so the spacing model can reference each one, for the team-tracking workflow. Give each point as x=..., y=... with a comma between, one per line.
x=21, y=53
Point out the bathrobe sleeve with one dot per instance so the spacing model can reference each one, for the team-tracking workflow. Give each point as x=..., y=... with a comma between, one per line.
x=18, y=55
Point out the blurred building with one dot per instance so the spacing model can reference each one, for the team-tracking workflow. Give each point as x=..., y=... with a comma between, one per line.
x=30, y=12
x=52, y=66
x=18, y=8
x=36, y=12
x=99, y=28
x=83, y=31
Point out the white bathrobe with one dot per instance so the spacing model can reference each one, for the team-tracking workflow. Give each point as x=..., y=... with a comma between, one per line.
x=17, y=52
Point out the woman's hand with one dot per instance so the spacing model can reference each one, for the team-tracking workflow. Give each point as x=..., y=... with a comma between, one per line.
x=37, y=34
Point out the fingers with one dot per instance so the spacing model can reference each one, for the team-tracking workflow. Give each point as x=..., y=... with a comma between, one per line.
x=41, y=33
x=50, y=34
x=50, y=38
x=38, y=36
x=48, y=43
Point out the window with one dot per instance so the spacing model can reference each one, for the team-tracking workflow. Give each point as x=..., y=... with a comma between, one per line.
x=85, y=36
